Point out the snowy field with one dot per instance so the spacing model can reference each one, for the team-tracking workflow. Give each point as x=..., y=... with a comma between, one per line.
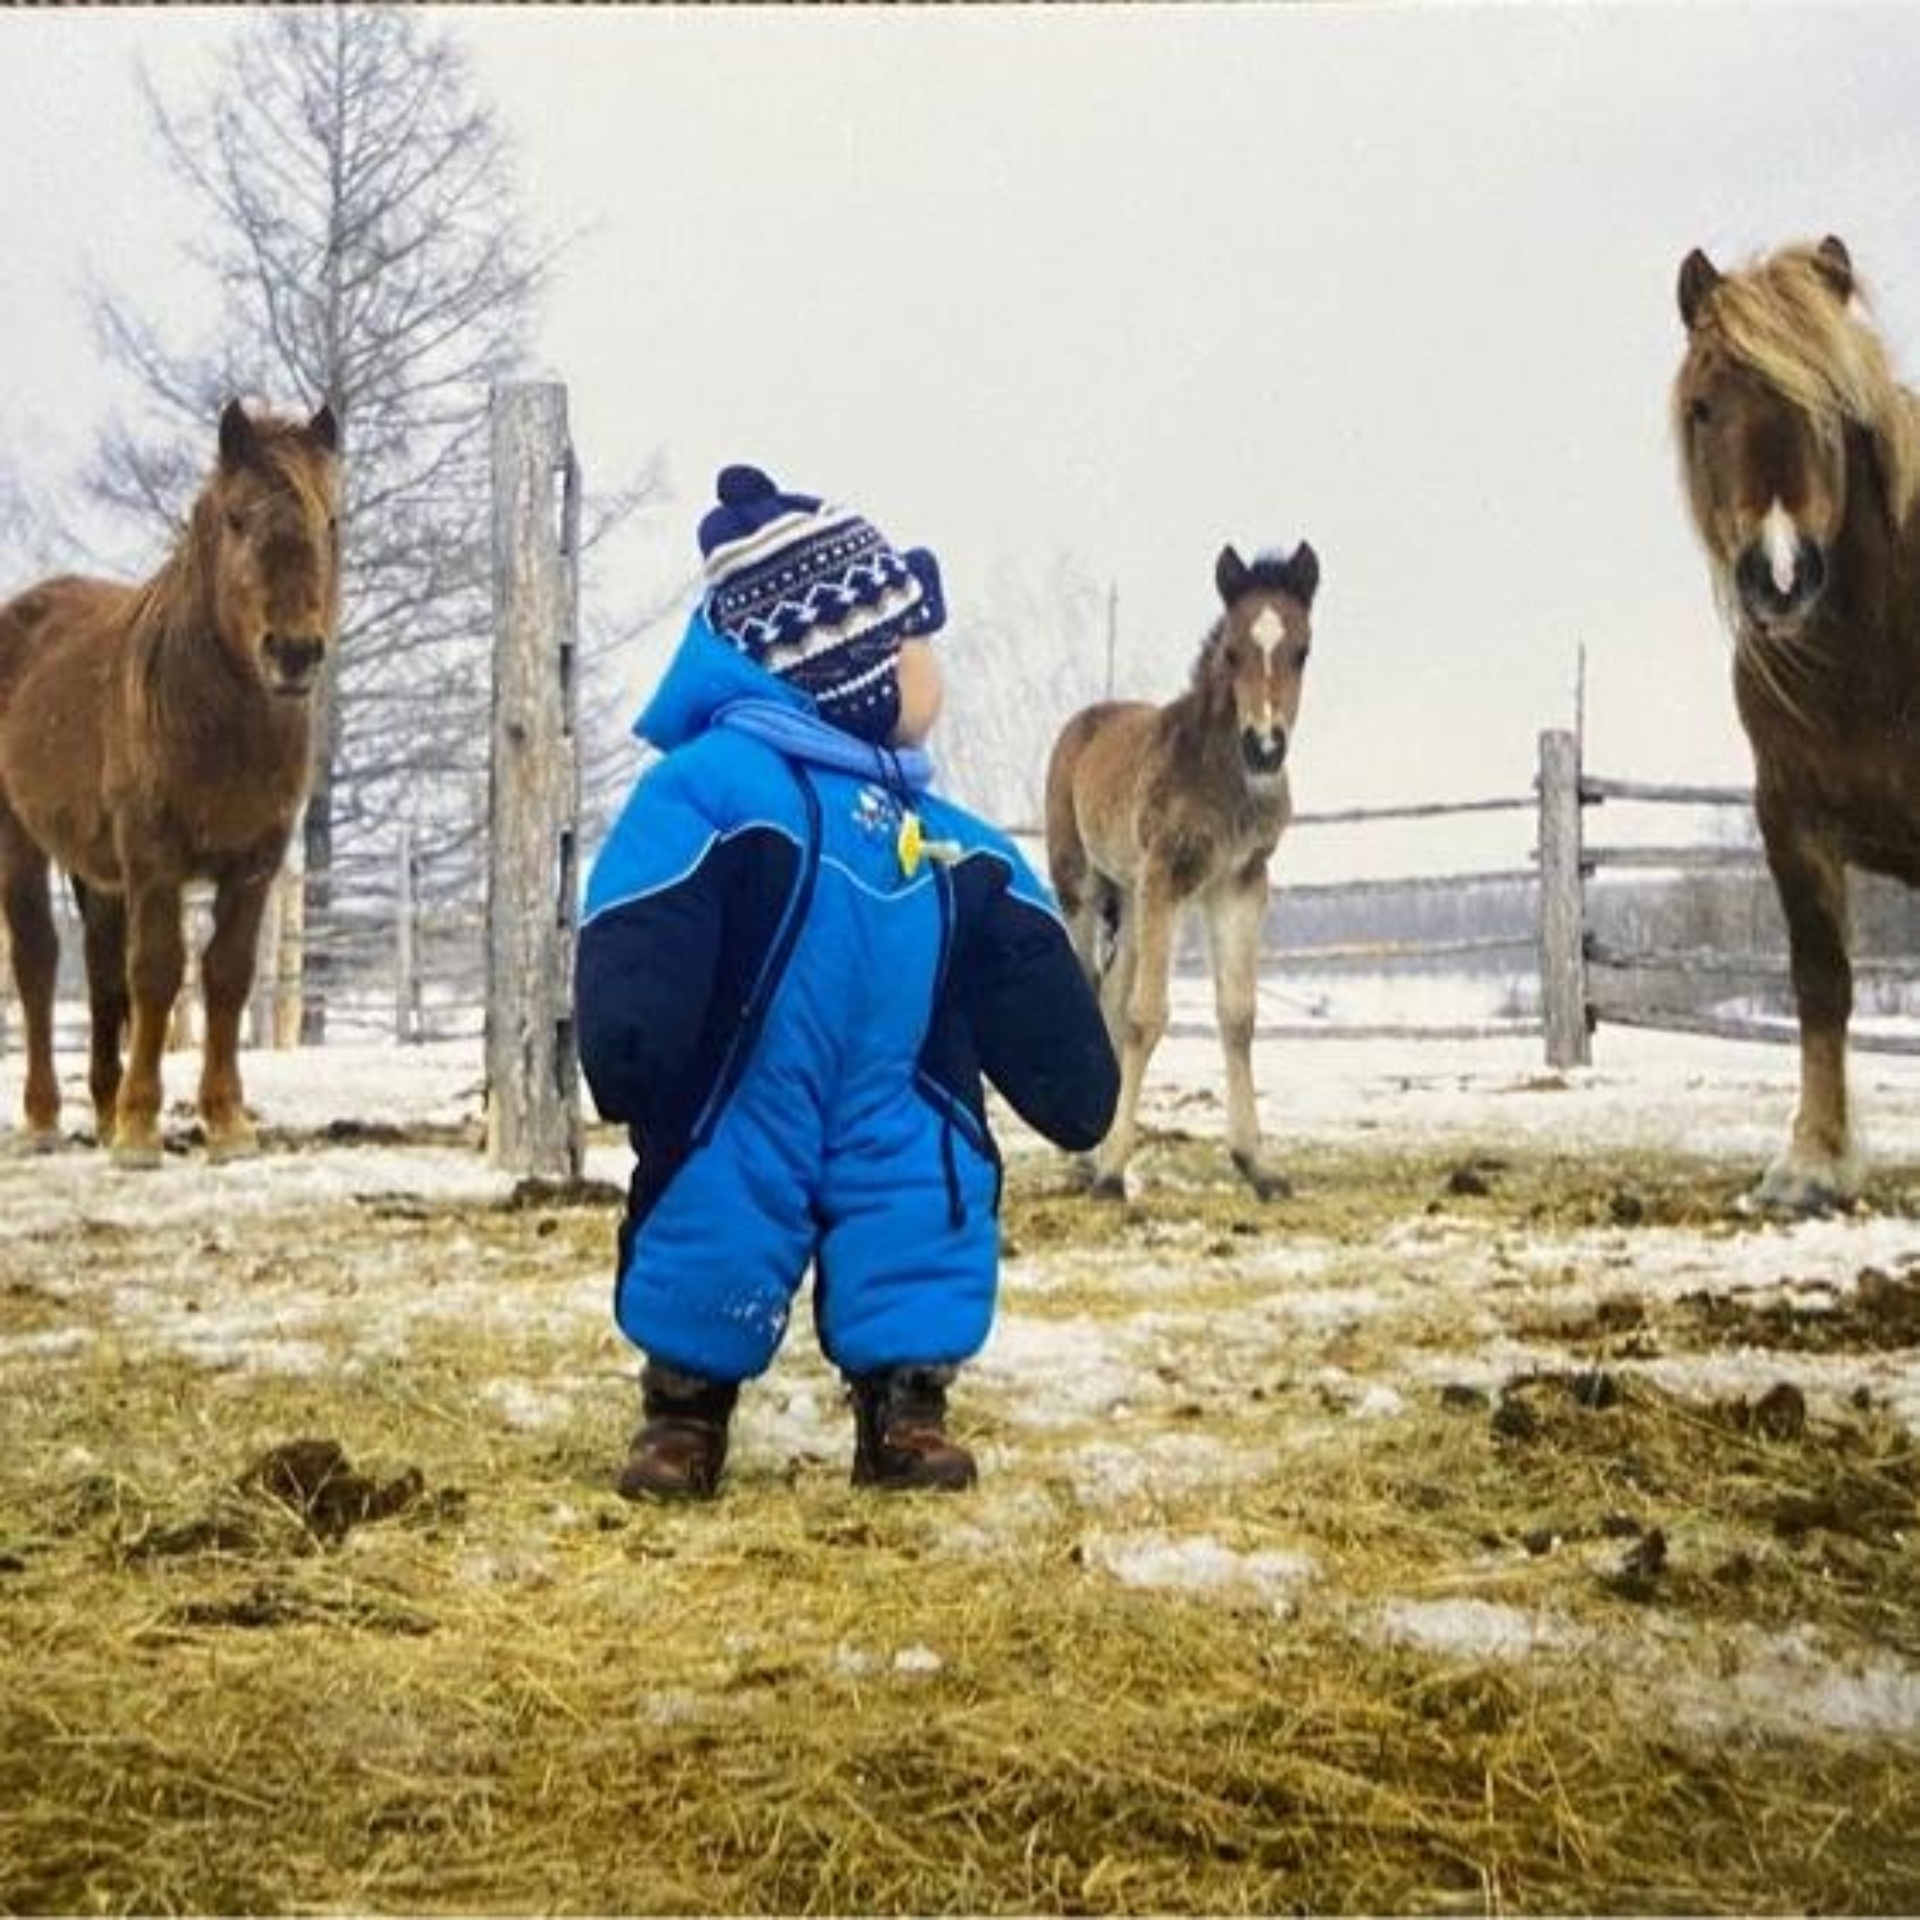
x=1289, y=1417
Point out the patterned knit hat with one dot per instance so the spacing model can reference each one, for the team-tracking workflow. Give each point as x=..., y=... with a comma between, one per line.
x=814, y=594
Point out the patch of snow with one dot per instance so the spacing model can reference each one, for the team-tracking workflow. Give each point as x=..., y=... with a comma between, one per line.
x=54, y=1192
x=792, y=1415
x=1199, y=1564
x=1786, y=1681
x=524, y=1407
x=1056, y=1373
x=1112, y=1473
x=1471, y=1629
x=55, y=1343
x=674, y=1706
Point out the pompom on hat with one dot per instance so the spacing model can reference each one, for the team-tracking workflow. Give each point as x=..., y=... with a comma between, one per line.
x=814, y=594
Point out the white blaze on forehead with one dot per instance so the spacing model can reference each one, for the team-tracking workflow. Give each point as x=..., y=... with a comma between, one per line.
x=1781, y=539
x=1268, y=630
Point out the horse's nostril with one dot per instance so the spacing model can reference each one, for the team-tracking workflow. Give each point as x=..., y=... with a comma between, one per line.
x=1263, y=752
x=1760, y=591
x=295, y=659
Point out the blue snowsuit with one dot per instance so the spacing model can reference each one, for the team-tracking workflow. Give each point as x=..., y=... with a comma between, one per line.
x=795, y=1030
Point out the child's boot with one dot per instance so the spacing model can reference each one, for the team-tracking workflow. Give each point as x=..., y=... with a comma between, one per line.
x=682, y=1444
x=900, y=1431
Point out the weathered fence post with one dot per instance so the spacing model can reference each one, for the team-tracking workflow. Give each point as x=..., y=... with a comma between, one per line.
x=187, y=1021
x=406, y=946
x=533, y=1098
x=290, y=953
x=260, y=994
x=1563, y=962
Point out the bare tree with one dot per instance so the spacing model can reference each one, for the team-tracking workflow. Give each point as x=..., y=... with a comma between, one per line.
x=1031, y=655
x=360, y=227
x=24, y=541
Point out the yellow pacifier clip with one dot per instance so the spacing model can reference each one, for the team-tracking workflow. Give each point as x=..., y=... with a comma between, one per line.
x=913, y=846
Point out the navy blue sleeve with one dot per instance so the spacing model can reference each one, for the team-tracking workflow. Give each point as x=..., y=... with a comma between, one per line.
x=642, y=984
x=1036, y=1023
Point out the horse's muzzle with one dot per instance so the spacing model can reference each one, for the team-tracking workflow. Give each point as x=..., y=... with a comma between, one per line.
x=293, y=665
x=1768, y=603
x=1263, y=752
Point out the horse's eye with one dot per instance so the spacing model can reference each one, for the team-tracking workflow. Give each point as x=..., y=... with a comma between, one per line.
x=236, y=522
x=1699, y=412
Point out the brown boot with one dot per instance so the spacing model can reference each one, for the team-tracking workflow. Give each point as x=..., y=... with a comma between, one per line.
x=681, y=1447
x=900, y=1432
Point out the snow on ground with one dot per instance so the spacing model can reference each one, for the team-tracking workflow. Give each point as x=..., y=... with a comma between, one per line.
x=1052, y=1373
x=1726, y=1098
x=1645, y=1091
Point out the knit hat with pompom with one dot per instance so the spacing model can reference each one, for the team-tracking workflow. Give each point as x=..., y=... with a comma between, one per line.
x=814, y=594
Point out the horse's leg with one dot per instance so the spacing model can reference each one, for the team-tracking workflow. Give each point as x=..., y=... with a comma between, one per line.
x=105, y=919
x=1116, y=968
x=1235, y=910
x=27, y=901
x=1137, y=997
x=1081, y=911
x=1820, y=1167
x=226, y=976
x=156, y=958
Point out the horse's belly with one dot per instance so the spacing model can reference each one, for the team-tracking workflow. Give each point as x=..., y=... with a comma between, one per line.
x=56, y=685
x=1885, y=842
x=50, y=777
x=1866, y=794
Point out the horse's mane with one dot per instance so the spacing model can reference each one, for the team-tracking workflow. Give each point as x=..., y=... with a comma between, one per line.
x=1272, y=571
x=1779, y=319
x=176, y=601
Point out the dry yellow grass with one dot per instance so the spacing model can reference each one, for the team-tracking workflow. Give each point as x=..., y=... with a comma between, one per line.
x=513, y=1692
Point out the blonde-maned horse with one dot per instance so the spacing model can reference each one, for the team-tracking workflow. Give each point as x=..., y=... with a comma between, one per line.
x=1152, y=808
x=156, y=734
x=1801, y=459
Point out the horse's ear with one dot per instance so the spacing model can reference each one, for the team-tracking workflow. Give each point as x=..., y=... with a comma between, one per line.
x=1304, y=571
x=324, y=430
x=1698, y=278
x=1834, y=264
x=1230, y=575
x=238, y=441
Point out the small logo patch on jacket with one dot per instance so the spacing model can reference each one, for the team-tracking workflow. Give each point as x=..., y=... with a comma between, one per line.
x=876, y=813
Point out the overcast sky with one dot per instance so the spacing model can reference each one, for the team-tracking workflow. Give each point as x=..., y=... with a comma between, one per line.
x=1126, y=283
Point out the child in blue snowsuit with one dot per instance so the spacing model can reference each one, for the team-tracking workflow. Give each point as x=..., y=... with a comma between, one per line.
x=796, y=968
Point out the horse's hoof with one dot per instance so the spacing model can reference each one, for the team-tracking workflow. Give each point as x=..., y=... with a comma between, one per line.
x=136, y=1156
x=32, y=1143
x=233, y=1146
x=1805, y=1189
x=1108, y=1186
x=1265, y=1182
x=1794, y=1199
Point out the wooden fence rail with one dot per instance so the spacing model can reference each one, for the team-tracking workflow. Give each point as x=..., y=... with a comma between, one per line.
x=533, y=879
x=1629, y=986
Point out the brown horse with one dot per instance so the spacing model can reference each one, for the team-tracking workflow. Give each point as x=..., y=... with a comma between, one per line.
x=156, y=734
x=1801, y=458
x=1152, y=808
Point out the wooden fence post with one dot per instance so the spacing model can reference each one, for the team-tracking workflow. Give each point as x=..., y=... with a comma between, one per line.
x=1563, y=962
x=290, y=954
x=406, y=947
x=533, y=1091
